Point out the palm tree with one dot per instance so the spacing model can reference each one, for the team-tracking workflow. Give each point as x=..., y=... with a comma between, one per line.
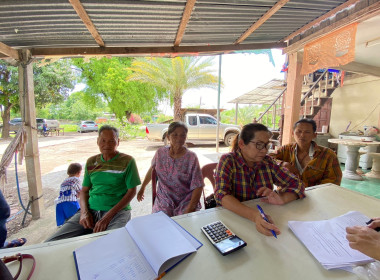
x=175, y=76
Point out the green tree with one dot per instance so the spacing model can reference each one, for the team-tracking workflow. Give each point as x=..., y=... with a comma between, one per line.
x=246, y=115
x=8, y=94
x=75, y=107
x=108, y=78
x=52, y=84
x=175, y=76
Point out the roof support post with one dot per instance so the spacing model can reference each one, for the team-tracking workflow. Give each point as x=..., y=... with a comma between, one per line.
x=28, y=114
x=292, y=96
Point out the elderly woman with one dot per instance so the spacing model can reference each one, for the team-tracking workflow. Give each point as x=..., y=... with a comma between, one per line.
x=248, y=172
x=180, y=179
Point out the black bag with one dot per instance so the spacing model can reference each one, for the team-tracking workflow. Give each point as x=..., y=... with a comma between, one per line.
x=210, y=201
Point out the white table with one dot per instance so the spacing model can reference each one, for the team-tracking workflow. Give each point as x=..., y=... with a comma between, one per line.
x=263, y=258
x=351, y=164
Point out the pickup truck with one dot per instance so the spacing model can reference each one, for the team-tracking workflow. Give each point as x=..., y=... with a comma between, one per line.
x=200, y=126
x=15, y=124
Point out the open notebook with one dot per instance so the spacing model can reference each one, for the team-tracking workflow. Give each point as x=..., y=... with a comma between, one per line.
x=145, y=248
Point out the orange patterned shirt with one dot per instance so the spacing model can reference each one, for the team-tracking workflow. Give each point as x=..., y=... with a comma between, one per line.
x=323, y=168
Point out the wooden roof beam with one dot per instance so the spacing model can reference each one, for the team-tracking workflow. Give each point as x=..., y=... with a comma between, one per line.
x=184, y=21
x=149, y=51
x=322, y=18
x=359, y=16
x=9, y=51
x=78, y=7
x=261, y=20
x=361, y=68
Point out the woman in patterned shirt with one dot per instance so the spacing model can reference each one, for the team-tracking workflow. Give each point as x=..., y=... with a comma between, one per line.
x=248, y=173
x=180, y=180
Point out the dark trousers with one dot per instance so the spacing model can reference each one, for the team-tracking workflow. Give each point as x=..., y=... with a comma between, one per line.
x=5, y=212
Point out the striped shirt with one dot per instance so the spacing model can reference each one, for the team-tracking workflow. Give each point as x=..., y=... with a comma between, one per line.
x=69, y=190
x=109, y=180
x=234, y=177
x=323, y=168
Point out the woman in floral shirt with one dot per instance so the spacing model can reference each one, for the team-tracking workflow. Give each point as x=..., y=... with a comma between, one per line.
x=180, y=180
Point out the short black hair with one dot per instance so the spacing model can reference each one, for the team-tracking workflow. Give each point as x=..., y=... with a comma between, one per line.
x=109, y=127
x=309, y=121
x=74, y=168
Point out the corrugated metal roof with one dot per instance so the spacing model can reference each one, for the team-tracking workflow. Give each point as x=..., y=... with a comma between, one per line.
x=264, y=94
x=150, y=23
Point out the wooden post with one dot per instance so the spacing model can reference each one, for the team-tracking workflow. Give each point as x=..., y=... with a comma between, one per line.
x=292, y=96
x=28, y=114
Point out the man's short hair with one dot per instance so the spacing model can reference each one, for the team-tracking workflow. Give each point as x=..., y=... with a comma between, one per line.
x=108, y=127
x=74, y=168
x=309, y=121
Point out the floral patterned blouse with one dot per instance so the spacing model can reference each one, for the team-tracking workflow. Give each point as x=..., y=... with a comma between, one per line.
x=177, y=178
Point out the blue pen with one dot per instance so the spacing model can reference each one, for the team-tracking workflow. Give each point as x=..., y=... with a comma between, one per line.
x=265, y=218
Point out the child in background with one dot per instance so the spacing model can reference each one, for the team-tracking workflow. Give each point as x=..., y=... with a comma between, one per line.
x=67, y=204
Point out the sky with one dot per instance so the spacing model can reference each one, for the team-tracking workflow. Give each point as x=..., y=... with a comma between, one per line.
x=241, y=73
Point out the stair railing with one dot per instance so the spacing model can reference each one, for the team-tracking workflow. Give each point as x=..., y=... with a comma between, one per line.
x=270, y=107
x=309, y=92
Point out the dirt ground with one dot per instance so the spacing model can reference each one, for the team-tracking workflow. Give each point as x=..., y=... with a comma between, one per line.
x=56, y=153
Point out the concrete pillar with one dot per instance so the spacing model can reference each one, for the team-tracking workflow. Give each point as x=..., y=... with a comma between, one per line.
x=28, y=114
x=292, y=96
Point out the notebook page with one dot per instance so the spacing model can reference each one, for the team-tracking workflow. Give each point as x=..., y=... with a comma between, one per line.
x=159, y=239
x=114, y=256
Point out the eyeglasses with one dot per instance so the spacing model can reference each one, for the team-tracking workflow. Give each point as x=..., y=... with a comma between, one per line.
x=262, y=145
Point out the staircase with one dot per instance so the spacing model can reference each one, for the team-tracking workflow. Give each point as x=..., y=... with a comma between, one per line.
x=317, y=92
x=317, y=89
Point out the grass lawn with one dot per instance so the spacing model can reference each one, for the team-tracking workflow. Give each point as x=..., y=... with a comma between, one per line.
x=69, y=127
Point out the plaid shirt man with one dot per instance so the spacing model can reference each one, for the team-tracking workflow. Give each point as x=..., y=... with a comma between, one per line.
x=323, y=168
x=234, y=177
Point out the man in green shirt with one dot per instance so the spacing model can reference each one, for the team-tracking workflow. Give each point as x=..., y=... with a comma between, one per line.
x=109, y=185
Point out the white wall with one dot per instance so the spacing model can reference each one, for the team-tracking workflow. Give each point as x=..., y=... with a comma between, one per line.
x=357, y=101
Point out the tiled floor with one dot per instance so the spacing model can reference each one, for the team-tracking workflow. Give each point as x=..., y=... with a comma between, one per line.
x=368, y=186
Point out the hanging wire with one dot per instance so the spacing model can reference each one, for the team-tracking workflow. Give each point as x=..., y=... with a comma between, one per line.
x=18, y=186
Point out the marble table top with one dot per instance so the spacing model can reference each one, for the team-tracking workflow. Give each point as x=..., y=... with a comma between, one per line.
x=351, y=142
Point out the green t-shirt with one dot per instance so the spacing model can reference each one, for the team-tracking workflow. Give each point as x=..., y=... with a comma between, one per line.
x=110, y=180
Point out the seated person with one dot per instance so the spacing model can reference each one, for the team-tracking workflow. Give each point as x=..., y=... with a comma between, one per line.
x=313, y=164
x=5, y=212
x=180, y=180
x=109, y=184
x=365, y=238
x=248, y=172
x=68, y=204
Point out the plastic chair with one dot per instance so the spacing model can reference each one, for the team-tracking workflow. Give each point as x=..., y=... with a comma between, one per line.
x=154, y=185
x=208, y=172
